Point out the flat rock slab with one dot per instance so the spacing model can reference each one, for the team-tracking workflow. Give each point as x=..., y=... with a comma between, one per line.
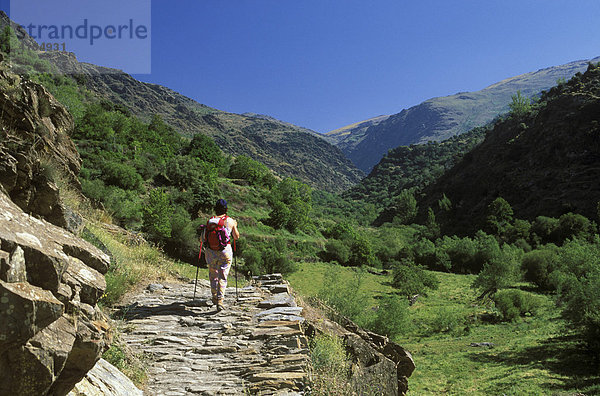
x=281, y=311
x=278, y=300
x=191, y=349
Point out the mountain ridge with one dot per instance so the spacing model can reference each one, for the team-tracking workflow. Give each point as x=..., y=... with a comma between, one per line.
x=439, y=118
x=287, y=149
x=542, y=163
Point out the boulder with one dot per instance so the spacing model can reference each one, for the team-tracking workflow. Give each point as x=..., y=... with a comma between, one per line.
x=104, y=379
x=51, y=331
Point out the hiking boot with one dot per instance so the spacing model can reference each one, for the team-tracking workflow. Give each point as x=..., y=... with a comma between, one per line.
x=220, y=306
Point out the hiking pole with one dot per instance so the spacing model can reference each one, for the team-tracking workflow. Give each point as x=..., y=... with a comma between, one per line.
x=197, y=269
x=236, y=271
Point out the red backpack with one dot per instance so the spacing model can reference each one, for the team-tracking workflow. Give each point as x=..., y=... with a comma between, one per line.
x=216, y=234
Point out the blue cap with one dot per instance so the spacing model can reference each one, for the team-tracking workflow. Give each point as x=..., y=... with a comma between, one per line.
x=221, y=203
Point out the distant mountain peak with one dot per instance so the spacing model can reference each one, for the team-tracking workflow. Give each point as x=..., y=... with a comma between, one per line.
x=439, y=118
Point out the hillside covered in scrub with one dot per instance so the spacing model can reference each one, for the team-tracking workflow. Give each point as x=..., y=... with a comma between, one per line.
x=543, y=161
x=287, y=149
x=413, y=167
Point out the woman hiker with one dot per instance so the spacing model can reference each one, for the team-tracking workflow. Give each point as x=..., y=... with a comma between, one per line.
x=221, y=231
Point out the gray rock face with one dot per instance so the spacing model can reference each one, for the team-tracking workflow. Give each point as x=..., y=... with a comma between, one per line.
x=51, y=332
x=35, y=144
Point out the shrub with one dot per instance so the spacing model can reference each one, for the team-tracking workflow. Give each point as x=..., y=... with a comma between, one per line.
x=405, y=207
x=578, y=283
x=500, y=215
x=331, y=366
x=205, y=149
x=290, y=202
x=126, y=206
x=93, y=189
x=336, y=250
x=411, y=279
x=267, y=258
x=345, y=296
x=256, y=173
x=157, y=215
x=121, y=175
x=361, y=252
x=184, y=242
x=500, y=271
x=538, y=265
x=513, y=304
x=392, y=316
x=446, y=320
x=543, y=228
x=342, y=230
x=571, y=225
x=520, y=105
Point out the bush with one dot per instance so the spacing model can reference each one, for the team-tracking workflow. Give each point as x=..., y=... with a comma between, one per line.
x=331, y=366
x=184, y=242
x=336, y=250
x=513, y=304
x=256, y=173
x=157, y=215
x=392, y=316
x=543, y=228
x=446, y=320
x=267, y=258
x=125, y=206
x=571, y=225
x=205, y=149
x=578, y=283
x=411, y=279
x=121, y=175
x=345, y=296
x=538, y=265
x=361, y=253
x=290, y=202
x=404, y=207
x=500, y=271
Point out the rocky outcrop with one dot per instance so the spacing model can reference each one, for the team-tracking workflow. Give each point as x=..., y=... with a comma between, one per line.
x=104, y=379
x=51, y=331
x=378, y=363
x=34, y=147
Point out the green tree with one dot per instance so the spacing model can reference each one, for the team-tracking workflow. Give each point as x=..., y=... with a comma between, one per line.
x=405, y=207
x=361, y=252
x=500, y=216
x=445, y=204
x=254, y=172
x=205, y=149
x=157, y=215
x=519, y=105
x=500, y=271
x=290, y=202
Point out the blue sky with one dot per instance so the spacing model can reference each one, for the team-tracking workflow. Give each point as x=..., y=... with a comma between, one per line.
x=324, y=64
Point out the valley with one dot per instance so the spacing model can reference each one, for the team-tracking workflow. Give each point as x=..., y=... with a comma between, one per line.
x=472, y=245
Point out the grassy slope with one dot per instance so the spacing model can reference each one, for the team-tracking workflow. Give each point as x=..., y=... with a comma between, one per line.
x=530, y=357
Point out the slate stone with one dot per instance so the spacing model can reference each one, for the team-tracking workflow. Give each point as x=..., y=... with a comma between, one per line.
x=278, y=300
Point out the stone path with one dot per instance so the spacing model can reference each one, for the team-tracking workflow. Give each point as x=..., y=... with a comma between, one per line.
x=254, y=346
